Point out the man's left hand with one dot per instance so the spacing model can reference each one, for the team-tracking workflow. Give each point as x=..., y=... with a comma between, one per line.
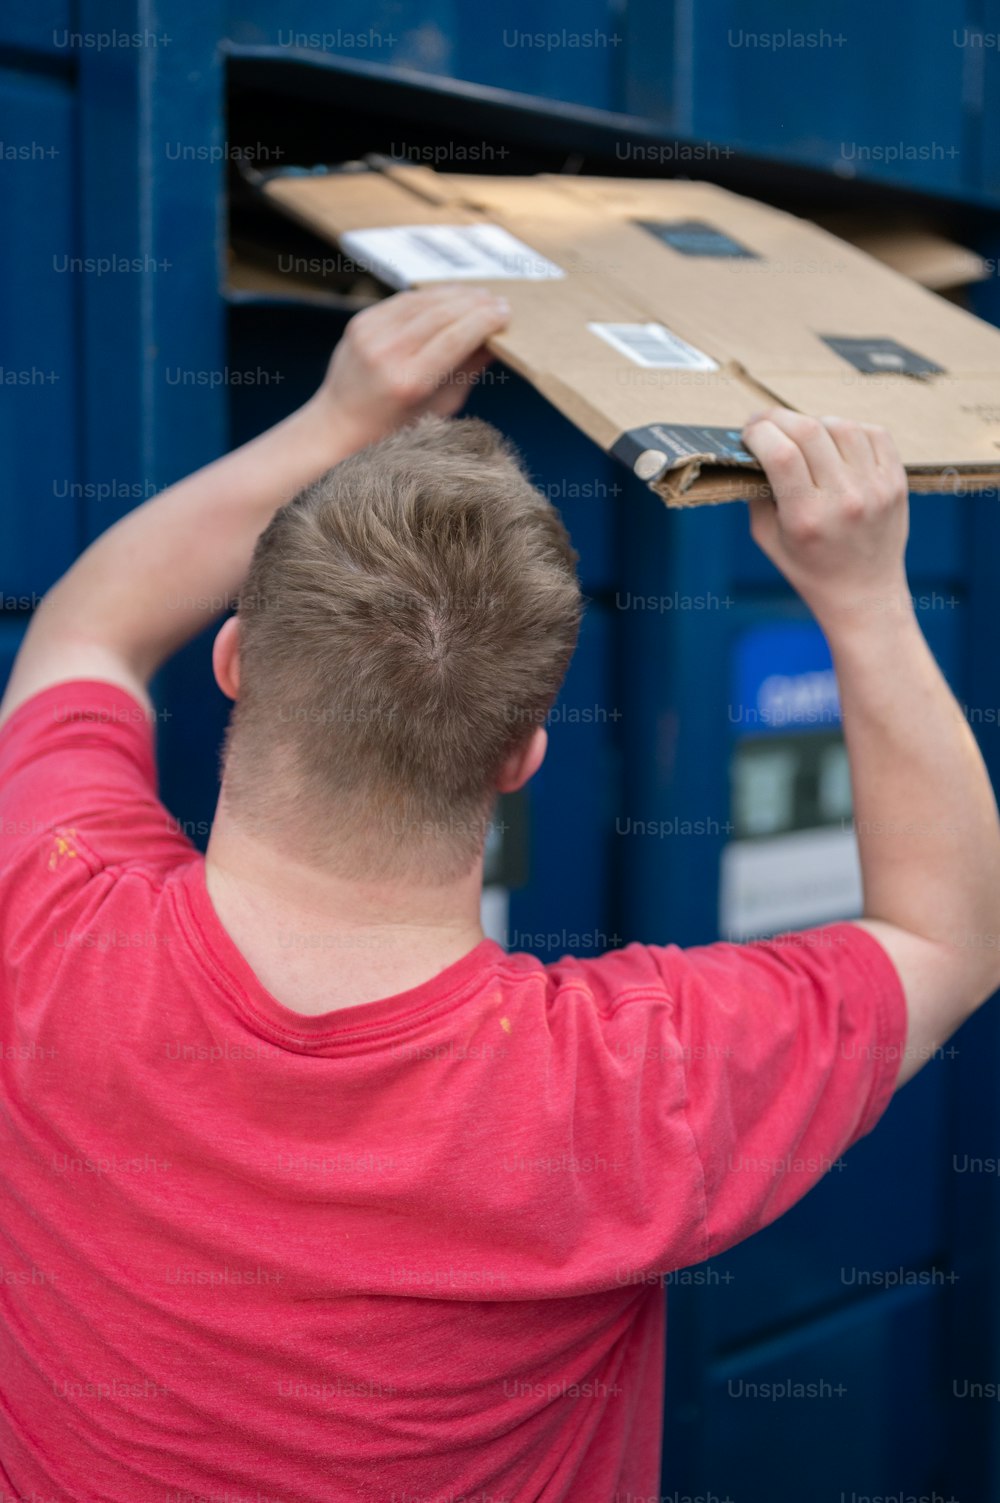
x=415, y=352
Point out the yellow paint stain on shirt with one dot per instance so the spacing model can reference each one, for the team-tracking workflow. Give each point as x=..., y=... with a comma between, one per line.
x=63, y=847
x=505, y=1024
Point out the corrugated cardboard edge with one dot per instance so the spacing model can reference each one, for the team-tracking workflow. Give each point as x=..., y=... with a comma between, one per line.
x=702, y=481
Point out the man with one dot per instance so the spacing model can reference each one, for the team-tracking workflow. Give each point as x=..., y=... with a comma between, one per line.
x=311, y=1192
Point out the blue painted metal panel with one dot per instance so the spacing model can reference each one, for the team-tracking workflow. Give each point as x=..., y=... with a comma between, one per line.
x=677, y=611
x=38, y=311
x=771, y=666
x=976, y=1202
x=424, y=37
x=565, y=908
x=657, y=75
x=983, y=71
x=153, y=194
x=851, y=90
x=809, y=1415
x=974, y=1217
x=46, y=28
x=157, y=391
x=569, y=51
x=11, y=633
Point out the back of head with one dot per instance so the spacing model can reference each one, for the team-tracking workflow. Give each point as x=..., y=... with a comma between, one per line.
x=405, y=625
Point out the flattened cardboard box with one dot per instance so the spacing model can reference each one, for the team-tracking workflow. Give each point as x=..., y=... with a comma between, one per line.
x=658, y=315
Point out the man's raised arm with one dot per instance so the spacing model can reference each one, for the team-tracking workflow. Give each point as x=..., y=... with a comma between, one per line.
x=166, y=570
x=927, y=826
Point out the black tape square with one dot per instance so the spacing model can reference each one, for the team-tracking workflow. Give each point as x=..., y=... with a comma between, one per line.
x=881, y=357
x=678, y=442
x=693, y=237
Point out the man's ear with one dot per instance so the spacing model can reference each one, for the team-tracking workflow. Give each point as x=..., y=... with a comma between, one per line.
x=523, y=763
x=226, y=657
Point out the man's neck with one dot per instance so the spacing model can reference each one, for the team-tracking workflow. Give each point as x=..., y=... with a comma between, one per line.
x=319, y=941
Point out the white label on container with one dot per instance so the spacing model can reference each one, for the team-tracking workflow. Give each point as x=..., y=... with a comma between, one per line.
x=654, y=347
x=789, y=882
x=406, y=254
x=494, y=914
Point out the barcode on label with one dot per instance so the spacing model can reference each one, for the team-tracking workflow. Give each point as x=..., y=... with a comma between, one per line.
x=438, y=249
x=654, y=347
x=407, y=254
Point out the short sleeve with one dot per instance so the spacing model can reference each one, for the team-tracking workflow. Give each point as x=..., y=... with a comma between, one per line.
x=78, y=794
x=757, y=1066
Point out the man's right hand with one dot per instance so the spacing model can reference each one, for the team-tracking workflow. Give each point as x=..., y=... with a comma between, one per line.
x=837, y=525
x=412, y=353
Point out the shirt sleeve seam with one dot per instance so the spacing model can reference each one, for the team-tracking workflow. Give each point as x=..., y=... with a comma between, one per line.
x=706, y=1241
x=621, y=999
x=97, y=866
x=654, y=994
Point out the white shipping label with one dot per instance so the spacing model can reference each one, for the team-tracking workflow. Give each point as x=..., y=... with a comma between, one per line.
x=406, y=254
x=654, y=347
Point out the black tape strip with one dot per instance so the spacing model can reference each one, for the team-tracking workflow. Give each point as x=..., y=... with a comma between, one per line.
x=678, y=442
x=693, y=237
x=881, y=357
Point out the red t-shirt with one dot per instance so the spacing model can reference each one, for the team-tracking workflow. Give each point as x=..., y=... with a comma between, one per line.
x=409, y=1249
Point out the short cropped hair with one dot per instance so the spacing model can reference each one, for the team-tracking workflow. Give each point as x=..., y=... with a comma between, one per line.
x=406, y=623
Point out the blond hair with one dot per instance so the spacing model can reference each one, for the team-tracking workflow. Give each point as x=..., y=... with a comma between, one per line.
x=406, y=623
